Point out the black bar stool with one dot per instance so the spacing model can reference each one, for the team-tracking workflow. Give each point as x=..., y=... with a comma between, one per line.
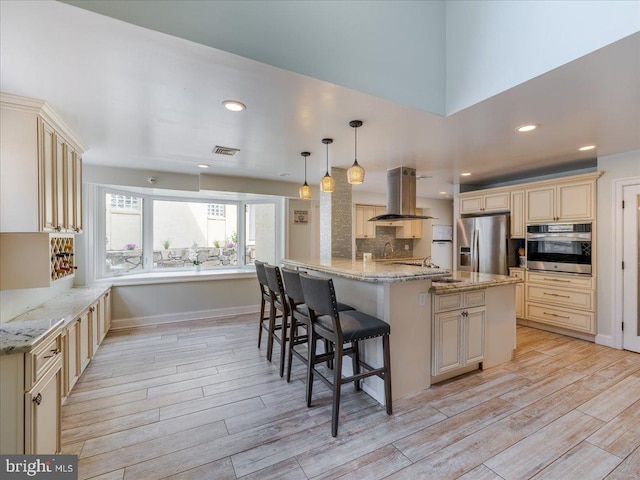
x=300, y=318
x=280, y=304
x=350, y=326
x=265, y=297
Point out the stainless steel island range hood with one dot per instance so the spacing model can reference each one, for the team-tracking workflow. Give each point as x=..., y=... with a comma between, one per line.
x=401, y=196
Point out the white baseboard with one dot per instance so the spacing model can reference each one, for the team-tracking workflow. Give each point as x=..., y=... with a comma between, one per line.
x=183, y=316
x=606, y=340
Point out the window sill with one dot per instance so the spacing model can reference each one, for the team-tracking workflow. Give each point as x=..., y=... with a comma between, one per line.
x=177, y=277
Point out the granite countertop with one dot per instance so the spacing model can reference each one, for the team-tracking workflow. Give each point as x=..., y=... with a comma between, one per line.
x=471, y=281
x=19, y=337
x=22, y=333
x=374, y=272
x=390, y=272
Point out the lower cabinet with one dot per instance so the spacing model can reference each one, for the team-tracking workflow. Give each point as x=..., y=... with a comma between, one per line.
x=459, y=326
x=42, y=413
x=34, y=384
x=519, y=291
x=561, y=300
x=30, y=395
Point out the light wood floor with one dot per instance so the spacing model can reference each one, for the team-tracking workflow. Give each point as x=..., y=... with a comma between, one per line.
x=199, y=401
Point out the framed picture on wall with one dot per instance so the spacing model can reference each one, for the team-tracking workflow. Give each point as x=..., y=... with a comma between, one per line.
x=301, y=216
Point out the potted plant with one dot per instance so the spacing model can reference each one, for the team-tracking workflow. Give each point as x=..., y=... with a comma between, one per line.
x=193, y=256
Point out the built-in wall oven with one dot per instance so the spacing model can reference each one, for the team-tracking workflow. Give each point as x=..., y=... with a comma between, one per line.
x=559, y=247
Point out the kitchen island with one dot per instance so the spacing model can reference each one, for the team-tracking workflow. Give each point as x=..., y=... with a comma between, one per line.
x=404, y=297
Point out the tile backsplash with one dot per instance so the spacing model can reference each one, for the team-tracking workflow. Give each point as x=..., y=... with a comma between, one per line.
x=376, y=245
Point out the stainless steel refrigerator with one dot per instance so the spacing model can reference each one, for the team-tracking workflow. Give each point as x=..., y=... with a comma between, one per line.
x=483, y=245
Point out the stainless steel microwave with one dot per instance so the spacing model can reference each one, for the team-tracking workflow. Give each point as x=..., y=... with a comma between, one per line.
x=559, y=247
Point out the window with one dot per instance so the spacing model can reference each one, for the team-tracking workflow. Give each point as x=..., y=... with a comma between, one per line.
x=123, y=229
x=215, y=210
x=124, y=202
x=184, y=232
x=146, y=233
x=260, y=232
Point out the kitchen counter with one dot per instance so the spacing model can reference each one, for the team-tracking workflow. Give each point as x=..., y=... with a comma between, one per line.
x=467, y=281
x=374, y=272
x=25, y=331
x=402, y=296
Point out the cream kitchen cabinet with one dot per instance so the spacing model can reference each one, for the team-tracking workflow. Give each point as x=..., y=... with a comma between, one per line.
x=410, y=228
x=561, y=300
x=30, y=397
x=518, y=228
x=519, y=273
x=365, y=228
x=562, y=202
x=459, y=326
x=381, y=210
x=71, y=364
x=36, y=180
x=485, y=203
x=35, y=260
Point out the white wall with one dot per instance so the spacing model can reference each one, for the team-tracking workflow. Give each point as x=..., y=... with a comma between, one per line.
x=615, y=168
x=493, y=45
x=303, y=240
x=145, y=304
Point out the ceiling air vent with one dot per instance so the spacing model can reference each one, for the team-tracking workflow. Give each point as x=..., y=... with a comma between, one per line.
x=225, y=150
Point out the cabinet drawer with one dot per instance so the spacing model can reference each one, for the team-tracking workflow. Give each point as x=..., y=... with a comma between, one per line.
x=40, y=359
x=455, y=301
x=559, y=280
x=566, y=298
x=516, y=273
x=474, y=298
x=571, y=319
x=451, y=301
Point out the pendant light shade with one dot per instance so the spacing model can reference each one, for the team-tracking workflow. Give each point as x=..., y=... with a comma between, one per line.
x=327, y=184
x=305, y=190
x=355, y=174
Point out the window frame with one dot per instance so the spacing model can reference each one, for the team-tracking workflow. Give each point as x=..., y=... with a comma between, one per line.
x=147, y=200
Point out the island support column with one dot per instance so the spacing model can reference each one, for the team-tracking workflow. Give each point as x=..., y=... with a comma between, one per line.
x=336, y=221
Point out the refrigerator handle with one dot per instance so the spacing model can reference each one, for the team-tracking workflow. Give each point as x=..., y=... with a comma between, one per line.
x=476, y=249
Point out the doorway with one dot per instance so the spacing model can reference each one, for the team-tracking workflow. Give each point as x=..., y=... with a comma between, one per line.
x=631, y=272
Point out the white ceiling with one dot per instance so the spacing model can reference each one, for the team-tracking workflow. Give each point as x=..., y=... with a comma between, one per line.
x=143, y=99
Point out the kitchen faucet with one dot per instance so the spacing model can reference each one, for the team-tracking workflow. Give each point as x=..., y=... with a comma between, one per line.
x=426, y=262
x=384, y=251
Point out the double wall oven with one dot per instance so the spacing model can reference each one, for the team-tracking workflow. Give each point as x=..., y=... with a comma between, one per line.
x=559, y=247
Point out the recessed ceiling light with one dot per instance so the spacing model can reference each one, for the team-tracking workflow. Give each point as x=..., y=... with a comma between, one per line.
x=465, y=174
x=234, y=105
x=587, y=147
x=443, y=193
x=203, y=165
x=284, y=174
x=526, y=128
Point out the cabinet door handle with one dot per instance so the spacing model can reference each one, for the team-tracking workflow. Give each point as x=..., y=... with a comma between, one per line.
x=556, y=315
x=54, y=352
x=37, y=399
x=465, y=314
x=556, y=295
x=92, y=309
x=557, y=280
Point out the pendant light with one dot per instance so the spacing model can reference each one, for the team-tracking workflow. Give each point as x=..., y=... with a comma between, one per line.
x=327, y=184
x=305, y=189
x=355, y=174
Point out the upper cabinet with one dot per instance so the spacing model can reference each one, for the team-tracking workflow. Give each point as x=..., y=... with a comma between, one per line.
x=486, y=203
x=40, y=169
x=562, y=202
x=410, y=228
x=365, y=228
x=567, y=199
x=518, y=228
